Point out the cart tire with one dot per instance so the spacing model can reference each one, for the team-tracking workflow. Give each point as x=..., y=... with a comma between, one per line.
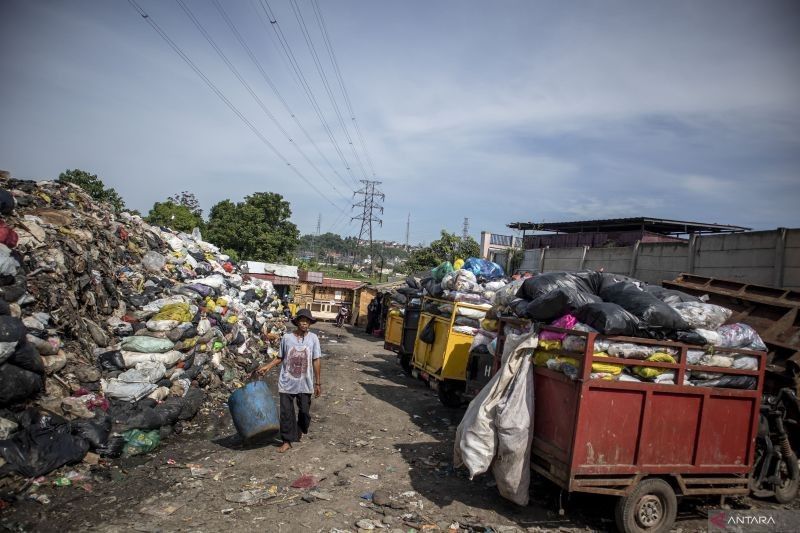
x=651, y=507
x=405, y=362
x=787, y=491
x=449, y=395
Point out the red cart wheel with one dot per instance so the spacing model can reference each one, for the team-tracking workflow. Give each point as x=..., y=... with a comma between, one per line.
x=651, y=507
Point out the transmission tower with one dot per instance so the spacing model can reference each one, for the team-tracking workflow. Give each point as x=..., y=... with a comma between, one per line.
x=315, y=237
x=465, y=235
x=408, y=229
x=370, y=205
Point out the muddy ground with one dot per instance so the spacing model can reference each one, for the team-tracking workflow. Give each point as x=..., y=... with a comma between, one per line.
x=372, y=420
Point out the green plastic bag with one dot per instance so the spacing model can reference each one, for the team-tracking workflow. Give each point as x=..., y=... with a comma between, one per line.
x=138, y=442
x=441, y=271
x=143, y=344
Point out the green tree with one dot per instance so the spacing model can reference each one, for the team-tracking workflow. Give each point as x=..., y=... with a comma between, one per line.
x=449, y=247
x=174, y=216
x=257, y=229
x=94, y=186
x=189, y=200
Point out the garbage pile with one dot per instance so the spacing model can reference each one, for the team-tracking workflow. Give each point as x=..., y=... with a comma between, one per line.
x=475, y=282
x=612, y=304
x=112, y=330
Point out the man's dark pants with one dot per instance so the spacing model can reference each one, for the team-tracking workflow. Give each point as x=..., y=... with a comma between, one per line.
x=291, y=425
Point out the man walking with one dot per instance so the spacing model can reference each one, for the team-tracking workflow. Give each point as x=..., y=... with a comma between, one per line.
x=299, y=358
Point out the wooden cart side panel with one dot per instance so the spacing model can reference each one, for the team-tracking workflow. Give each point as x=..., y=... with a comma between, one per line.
x=554, y=410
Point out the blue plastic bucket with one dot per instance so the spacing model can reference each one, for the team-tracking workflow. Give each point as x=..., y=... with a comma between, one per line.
x=253, y=410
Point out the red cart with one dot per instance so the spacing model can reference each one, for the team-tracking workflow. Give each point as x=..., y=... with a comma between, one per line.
x=645, y=442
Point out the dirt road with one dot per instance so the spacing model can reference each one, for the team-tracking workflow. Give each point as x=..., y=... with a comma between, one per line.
x=376, y=434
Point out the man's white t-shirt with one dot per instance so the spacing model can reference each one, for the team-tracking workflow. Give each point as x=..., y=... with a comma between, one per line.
x=297, y=370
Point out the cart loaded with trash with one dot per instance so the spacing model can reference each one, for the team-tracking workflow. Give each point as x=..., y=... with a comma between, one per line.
x=605, y=399
x=645, y=441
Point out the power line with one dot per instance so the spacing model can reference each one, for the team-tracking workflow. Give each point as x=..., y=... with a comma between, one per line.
x=250, y=90
x=274, y=88
x=321, y=71
x=225, y=99
x=303, y=82
x=371, y=204
x=340, y=78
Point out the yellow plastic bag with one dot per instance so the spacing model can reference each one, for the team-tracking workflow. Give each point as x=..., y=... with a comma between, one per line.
x=550, y=345
x=540, y=358
x=490, y=324
x=650, y=372
x=178, y=311
x=458, y=265
x=606, y=368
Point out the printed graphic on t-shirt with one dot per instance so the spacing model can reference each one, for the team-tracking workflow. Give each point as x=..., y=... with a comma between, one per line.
x=297, y=361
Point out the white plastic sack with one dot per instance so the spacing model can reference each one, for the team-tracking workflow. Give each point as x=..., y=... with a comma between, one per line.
x=160, y=394
x=740, y=336
x=216, y=281
x=161, y=325
x=127, y=392
x=504, y=295
x=153, y=261
x=511, y=466
x=722, y=361
x=629, y=350
x=203, y=327
x=168, y=359
x=745, y=362
x=576, y=343
x=467, y=312
x=711, y=337
x=702, y=315
x=8, y=265
x=693, y=356
x=156, y=305
x=145, y=372
x=494, y=285
x=476, y=439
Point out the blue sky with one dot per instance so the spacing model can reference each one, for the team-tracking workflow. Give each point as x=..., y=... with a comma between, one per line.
x=496, y=111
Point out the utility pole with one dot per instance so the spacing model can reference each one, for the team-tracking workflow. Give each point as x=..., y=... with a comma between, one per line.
x=370, y=205
x=408, y=229
x=465, y=235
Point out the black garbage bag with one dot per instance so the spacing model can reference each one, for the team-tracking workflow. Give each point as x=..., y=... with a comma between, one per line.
x=402, y=299
x=433, y=289
x=27, y=357
x=41, y=447
x=146, y=417
x=413, y=283
x=192, y=403
x=17, y=384
x=689, y=337
x=728, y=382
x=111, y=360
x=652, y=312
x=94, y=430
x=608, y=319
x=7, y=202
x=13, y=291
x=113, y=448
x=139, y=300
x=558, y=303
x=12, y=329
x=4, y=309
x=191, y=372
x=670, y=296
x=542, y=284
x=519, y=307
x=428, y=333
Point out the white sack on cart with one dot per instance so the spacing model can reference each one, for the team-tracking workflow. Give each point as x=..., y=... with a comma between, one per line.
x=476, y=442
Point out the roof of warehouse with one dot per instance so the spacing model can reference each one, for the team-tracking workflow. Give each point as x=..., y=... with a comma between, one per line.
x=657, y=225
